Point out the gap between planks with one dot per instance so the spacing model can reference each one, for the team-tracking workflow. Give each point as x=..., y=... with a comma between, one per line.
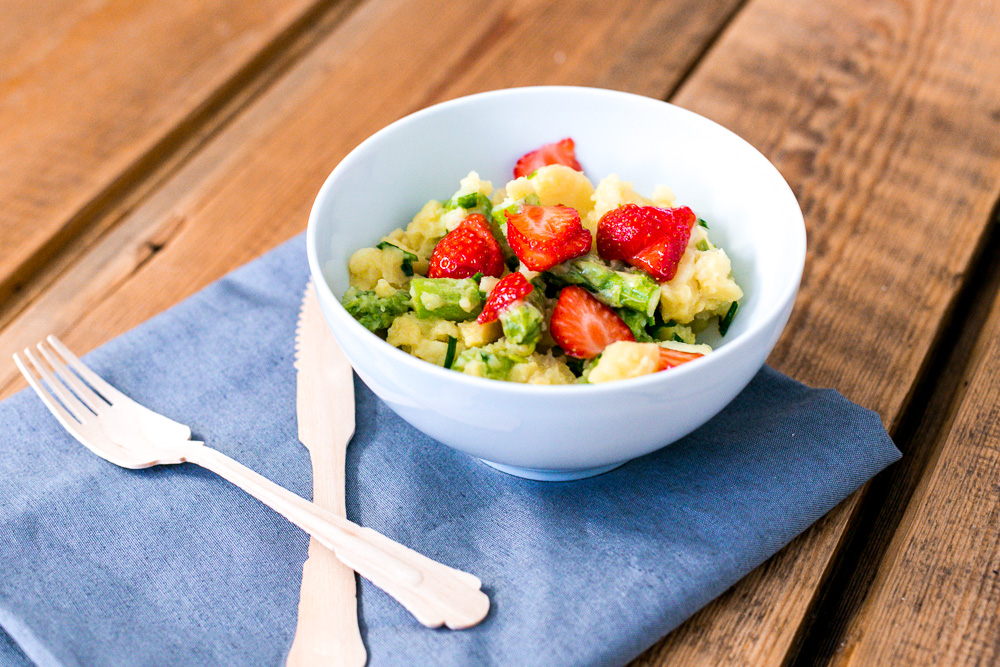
x=151, y=170
x=922, y=430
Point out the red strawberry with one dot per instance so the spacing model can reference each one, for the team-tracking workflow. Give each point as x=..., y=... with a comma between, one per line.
x=660, y=259
x=647, y=237
x=583, y=326
x=468, y=249
x=543, y=236
x=511, y=288
x=670, y=358
x=562, y=152
x=624, y=231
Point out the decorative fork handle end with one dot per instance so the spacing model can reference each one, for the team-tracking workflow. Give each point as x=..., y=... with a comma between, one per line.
x=434, y=593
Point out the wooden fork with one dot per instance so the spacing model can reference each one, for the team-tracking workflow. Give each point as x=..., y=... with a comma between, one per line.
x=130, y=435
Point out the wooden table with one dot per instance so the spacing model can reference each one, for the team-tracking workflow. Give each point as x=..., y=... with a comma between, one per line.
x=148, y=147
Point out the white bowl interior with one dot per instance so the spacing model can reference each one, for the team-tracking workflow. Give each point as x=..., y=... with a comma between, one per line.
x=749, y=208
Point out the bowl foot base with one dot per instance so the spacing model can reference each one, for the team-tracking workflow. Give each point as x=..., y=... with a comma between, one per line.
x=543, y=475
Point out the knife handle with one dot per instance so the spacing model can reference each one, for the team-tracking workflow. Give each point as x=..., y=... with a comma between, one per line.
x=327, y=632
x=434, y=593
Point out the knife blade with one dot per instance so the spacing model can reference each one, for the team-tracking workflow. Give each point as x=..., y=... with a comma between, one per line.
x=327, y=632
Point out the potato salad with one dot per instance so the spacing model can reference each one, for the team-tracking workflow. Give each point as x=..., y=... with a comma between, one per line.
x=548, y=279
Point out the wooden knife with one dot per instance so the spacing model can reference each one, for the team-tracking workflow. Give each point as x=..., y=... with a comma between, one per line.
x=327, y=631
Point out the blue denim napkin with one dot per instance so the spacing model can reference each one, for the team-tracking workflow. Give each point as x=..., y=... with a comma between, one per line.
x=173, y=566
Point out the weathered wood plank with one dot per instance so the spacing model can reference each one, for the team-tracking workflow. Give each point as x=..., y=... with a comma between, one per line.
x=884, y=119
x=935, y=591
x=835, y=620
x=88, y=91
x=251, y=186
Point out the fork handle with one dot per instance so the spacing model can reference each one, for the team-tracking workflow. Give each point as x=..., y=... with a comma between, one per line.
x=434, y=593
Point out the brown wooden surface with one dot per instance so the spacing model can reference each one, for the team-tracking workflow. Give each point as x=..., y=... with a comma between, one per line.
x=884, y=118
x=934, y=595
x=91, y=93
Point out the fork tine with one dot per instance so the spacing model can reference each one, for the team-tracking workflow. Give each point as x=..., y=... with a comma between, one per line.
x=82, y=391
x=65, y=396
x=109, y=393
x=66, y=418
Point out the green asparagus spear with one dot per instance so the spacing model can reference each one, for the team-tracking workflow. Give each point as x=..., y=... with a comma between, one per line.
x=484, y=363
x=637, y=322
x=456, y=299
x=522, y=323
x=618, y=289
x=494, y=360
x=373, y=312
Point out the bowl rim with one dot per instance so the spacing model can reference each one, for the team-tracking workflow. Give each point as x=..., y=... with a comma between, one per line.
x=718, y=356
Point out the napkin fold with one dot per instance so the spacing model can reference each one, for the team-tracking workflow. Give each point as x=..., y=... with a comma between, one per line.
x=174, y=566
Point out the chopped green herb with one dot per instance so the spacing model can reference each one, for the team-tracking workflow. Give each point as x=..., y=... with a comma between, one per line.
x=702, y=223
x=408, y=257
x=473, y=202
x=449, y=357
x=468, y=201
x=728, y=318
x=575, y=365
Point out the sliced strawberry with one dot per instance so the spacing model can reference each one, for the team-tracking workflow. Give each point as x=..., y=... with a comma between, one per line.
x=468, y=249
x=670, y=358
x=647, y=237
x=624, y=231
x=660, y=259
x=543, y=256
x=510, y=289
x=543, y=236
x=583, y=326
x=562, y=152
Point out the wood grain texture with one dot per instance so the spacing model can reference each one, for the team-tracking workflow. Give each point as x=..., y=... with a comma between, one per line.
x=884, y=119
x=90, y=90
x=867, y=599
x=935, y=597
x=836, y=618
x=250, y=186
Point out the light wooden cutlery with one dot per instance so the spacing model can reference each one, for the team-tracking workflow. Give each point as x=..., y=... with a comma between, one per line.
x=132, y=436
x=327, y=633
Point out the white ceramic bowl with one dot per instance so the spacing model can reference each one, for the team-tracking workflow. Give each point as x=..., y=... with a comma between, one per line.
x=562, y=432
